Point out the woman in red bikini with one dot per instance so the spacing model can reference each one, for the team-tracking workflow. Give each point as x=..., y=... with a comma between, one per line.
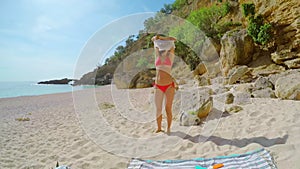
x=164, y=85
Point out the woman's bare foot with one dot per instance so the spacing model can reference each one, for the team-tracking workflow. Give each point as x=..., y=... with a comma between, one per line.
x=168, y=131
x=159, y=130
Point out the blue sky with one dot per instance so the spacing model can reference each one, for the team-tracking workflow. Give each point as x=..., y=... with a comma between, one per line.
x=42, y=39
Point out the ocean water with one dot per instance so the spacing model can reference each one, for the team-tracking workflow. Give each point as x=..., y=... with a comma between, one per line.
x=15, y=89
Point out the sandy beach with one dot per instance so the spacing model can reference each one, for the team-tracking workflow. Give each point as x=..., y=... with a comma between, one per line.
x=122, y=126
x=236, y=62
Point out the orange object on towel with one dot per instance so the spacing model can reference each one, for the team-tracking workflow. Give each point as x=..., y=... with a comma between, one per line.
x=216, y=166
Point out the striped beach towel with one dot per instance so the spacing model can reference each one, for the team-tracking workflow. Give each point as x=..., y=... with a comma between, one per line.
x=259, y=159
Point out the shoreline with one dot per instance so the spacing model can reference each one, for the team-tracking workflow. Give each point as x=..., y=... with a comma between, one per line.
x=79, y=87
x=16, y=97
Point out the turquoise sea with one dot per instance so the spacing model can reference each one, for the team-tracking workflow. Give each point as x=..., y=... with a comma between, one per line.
x=15, y=89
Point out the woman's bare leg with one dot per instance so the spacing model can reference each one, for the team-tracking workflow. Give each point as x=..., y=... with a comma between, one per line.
x=169, y=103
x=158, y=96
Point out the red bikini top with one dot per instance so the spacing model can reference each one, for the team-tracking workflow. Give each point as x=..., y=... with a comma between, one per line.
x=166, y=62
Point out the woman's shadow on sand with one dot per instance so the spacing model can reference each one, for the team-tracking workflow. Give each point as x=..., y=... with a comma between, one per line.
x=216, y=114
x=263, y=141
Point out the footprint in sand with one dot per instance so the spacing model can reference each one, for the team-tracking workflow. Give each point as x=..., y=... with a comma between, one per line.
x=264, y=116
x=186, y=147
x=254, y=114
x=189, y=145
x=121, y=165
x=271, y=121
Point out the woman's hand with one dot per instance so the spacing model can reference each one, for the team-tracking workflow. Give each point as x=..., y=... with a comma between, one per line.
x=168, y=38
x=162, y=38
x=155, y=38
x=172, y=38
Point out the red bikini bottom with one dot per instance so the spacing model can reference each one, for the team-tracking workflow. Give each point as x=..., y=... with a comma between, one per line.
x=163, y=88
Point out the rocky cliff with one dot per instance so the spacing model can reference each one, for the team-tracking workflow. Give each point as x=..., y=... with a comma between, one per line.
x=246, y=47
x=284, y=15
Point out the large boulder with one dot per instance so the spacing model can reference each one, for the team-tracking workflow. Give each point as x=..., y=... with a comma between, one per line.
x=263, y=83
x=131, y=73
x=210, y=50
x=122, y=80
x=189, y=118
x=143, y=79
x=220, y=90
x=226, y=98
x=202, y=80
x=288, y=87
x=243, y=88
x=274, y=77
x=237, y=49
x=263, y=93
x=237, y=73
x=205, y=108
x=209, y=56
x=242, y=98
x=197, y=100
x=200, y=69
x=104, y=80
x=263, y=88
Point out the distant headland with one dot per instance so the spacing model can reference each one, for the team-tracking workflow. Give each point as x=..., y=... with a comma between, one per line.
x=59, y=81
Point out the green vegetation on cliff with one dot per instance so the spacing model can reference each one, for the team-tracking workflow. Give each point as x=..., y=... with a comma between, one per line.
x=207, y=18
x=257, y=28
x=248, y=9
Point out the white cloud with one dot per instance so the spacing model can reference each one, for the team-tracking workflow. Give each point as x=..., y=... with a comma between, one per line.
x=44, y=24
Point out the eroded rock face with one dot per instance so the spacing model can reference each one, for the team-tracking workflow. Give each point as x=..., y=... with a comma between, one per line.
x=142, y=79
x=266, y=70
x=288, y=58
x=237, y=49
x=294, y=63
x=285, y=16
x=284, y=55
